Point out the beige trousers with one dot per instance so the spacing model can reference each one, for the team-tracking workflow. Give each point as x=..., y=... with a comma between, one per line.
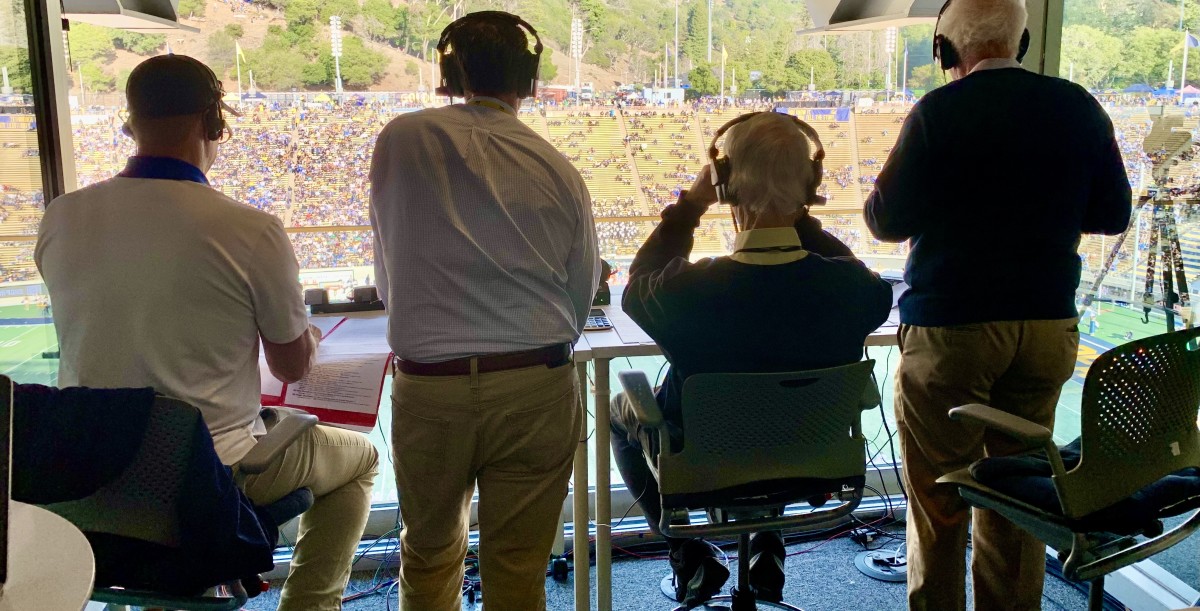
x=511, y=433
x=1019, y=367
x=339, y=466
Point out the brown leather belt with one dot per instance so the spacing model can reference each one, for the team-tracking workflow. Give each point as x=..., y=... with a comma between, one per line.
x=550, y=356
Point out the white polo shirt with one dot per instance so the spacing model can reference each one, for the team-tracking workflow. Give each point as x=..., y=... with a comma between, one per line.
x=169, y=283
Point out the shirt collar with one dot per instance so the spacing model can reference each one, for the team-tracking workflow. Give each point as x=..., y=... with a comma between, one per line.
x=493, y=103
x=996, y=63
x=164, y=168
x=773, y=246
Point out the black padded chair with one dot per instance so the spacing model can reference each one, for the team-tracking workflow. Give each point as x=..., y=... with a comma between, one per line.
x=1139, y=416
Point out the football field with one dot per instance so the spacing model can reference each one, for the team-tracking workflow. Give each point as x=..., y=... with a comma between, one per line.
x=25, y=334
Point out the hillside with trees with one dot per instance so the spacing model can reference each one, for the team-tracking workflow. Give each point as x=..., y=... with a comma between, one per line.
x=388, y=44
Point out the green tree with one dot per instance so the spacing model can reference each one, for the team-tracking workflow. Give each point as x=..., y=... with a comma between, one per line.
x=16, y=59
x=346, y=9
x=925, y=78
x=382, y=22
x=547, y=70
x=316, y=74
x=814, y=63
x=411, y=68
x=235, y=31
x=95, y=79
x=1145, y=56
x=276, y=67
x=142, y=44
x=1094, y=55
x=361, y=67
x=192, y=8
x=90, y=43
x=219, y=52
x=703, y=81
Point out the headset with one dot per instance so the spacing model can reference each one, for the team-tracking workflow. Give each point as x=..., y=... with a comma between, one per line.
x=720, y=168
x=947, y=55
x=454, y=76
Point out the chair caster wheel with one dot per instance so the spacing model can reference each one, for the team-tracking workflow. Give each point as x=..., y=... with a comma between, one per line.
x=559, y=569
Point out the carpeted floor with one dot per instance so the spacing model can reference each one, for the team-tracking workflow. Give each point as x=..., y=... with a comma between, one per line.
x=820, y=579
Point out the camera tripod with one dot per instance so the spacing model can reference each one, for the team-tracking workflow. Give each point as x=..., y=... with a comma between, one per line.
x=1161, y=202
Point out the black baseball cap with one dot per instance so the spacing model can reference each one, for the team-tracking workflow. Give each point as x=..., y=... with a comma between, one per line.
x=172, y=85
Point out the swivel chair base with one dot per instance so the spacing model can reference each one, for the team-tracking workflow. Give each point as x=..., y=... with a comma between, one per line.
x=740, y=597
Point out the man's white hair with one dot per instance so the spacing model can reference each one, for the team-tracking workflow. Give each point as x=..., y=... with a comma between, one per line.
x=772, y=163
x=984, y=29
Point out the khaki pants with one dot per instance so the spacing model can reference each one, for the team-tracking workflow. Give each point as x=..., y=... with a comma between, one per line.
x=1019, y=367
x=339, y=466
x=512, y=433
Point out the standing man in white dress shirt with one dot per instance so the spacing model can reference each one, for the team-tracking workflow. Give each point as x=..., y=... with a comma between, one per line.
x=485, y=255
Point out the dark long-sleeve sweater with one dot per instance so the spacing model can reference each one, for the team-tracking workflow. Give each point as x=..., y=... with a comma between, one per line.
x=993, y=179
x=720, y=315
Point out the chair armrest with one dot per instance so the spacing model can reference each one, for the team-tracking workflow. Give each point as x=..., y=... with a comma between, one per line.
x=291, y=425
x=1031, y=434
x=641, y=398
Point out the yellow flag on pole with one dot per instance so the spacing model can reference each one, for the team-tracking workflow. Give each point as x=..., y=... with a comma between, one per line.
x=238, y=48
x=724, y=55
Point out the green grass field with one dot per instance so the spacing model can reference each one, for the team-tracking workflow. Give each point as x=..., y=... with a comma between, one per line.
x=22, y=345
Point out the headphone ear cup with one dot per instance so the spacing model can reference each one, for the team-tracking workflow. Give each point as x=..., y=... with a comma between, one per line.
x=125, y=130
x=214, y=123
x=453, y=79
x=945, y=52
x=1023, y=48
x=721, y=169
x=818, y=174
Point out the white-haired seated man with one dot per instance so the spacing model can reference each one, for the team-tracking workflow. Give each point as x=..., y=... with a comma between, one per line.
x=790, y=298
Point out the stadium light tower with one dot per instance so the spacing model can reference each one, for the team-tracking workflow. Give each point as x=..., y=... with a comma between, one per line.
x=676, y=44
x=335, y=43
x=576, y=49
x=891, y=50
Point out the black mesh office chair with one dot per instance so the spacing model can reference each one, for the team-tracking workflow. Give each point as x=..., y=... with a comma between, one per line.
x=754, y=444
x=1139, y=416
x=133, y=520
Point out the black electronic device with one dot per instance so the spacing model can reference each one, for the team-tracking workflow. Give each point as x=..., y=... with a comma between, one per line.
x=603, y=295
x=362, y=299
x=597, y=321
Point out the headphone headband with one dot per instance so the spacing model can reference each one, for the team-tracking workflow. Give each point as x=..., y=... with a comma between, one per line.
x=454, y=80
x=720, y=169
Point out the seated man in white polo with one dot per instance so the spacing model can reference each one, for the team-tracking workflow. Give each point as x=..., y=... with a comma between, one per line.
x=159, y=280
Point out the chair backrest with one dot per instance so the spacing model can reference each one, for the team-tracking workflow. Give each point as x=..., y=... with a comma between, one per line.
x=755, y=427
x=1139, y=414
x=141, y=503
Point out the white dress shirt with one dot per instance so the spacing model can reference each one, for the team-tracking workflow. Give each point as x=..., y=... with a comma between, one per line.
x=484, y=240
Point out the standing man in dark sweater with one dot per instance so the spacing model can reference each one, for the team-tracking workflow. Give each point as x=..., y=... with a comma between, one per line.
x=789, y=298
x=993, y=179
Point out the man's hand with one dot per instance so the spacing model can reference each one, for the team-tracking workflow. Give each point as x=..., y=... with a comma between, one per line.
x=702, y=194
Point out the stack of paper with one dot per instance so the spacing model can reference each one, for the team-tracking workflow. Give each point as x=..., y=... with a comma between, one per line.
x=345, y=385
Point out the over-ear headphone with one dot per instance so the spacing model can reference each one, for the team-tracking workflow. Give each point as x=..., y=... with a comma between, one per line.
x=454, y=76
x=947, y=55
x=720, y=168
